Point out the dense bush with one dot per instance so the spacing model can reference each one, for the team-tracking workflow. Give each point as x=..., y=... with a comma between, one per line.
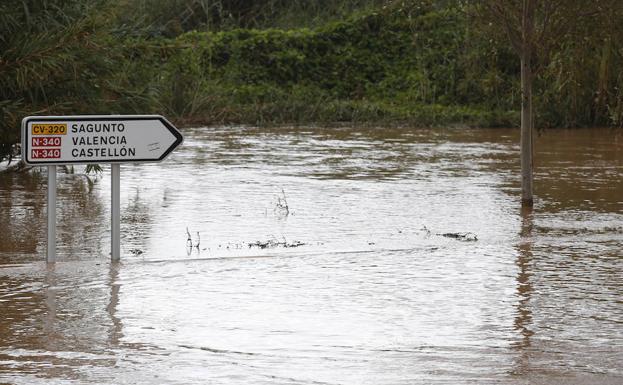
x=419, y=62
x=397, y=64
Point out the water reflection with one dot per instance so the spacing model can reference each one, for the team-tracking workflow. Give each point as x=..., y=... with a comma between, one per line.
x=115, y=333
x=49, y=316
x=523, y=319
x=136, y=218
x=22, y=217
x=77, y=238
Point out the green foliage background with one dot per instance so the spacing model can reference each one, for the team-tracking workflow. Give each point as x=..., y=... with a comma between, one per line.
x=419, y=63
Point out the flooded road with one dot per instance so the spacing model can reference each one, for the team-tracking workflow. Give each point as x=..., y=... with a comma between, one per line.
x=361, y=280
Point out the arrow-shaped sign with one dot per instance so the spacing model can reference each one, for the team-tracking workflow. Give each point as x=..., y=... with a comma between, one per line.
x=57, y=140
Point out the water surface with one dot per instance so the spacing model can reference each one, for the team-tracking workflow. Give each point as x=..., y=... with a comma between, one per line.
x=374, y=293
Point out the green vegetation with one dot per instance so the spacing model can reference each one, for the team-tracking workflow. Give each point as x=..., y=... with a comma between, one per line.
x=54, y=58
x=420, y=63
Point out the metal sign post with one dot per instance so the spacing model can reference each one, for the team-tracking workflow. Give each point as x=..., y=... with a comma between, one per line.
x=51, y=246
x=93, y=139
x=115, y=213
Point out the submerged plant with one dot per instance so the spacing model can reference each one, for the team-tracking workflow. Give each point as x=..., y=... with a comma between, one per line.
x=281, y=206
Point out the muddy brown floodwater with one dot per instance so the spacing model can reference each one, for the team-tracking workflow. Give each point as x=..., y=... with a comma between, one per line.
x=373, y=292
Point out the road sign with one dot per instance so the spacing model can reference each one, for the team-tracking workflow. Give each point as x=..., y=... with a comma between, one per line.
x=59, y=140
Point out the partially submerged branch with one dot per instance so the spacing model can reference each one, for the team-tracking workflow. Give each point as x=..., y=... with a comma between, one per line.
x=282, y=206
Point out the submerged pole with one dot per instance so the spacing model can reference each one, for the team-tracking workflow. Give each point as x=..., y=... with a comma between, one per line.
x=51, y=245
x=115, y=213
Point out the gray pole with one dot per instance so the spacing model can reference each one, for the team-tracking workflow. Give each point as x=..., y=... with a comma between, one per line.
x=115, y=213
x=51, y=251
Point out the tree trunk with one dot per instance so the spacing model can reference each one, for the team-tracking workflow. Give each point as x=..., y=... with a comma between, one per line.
x=526, y=103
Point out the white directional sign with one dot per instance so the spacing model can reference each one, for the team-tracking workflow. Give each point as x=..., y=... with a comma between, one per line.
x=57, y=140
